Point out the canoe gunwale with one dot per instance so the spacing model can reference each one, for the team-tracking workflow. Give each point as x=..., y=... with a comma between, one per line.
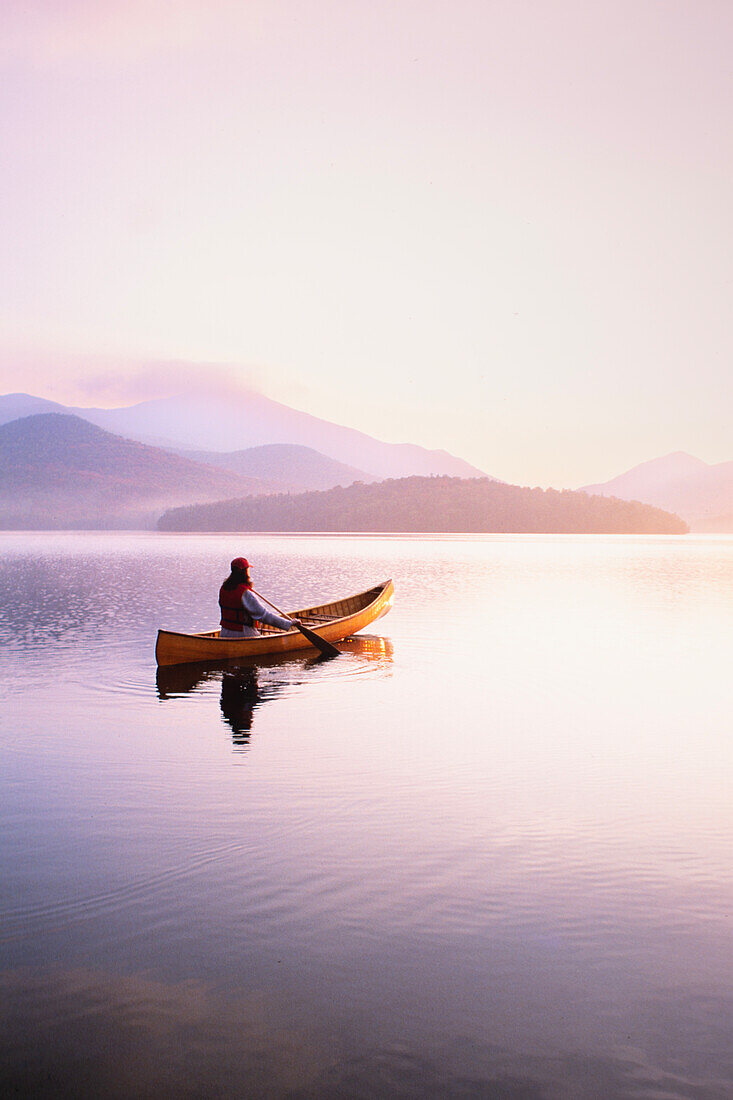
x=175, y=647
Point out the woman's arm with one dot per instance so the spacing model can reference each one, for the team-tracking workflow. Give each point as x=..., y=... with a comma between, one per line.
x=255, y=607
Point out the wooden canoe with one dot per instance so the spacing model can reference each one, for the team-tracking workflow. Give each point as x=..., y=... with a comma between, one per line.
x=333, y=621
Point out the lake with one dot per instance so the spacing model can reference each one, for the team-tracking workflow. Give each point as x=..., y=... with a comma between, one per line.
x=486, y=852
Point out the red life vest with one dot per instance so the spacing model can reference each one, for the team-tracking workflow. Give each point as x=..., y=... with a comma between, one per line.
x=233, y=615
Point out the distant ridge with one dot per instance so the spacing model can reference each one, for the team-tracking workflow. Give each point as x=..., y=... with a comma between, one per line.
x=242, y=419
x=702, y=494
x=61, y=471
x=13, y=406
x=436, y=504
x=289, y=466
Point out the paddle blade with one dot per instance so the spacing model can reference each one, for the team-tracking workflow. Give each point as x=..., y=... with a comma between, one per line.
x=325, y=647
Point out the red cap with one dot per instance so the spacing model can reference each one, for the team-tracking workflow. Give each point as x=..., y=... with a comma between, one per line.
x=240, y=563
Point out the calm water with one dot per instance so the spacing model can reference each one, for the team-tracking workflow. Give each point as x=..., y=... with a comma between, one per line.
x=486, y=852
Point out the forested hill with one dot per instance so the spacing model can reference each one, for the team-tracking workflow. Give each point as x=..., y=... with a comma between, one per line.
x=428, y=504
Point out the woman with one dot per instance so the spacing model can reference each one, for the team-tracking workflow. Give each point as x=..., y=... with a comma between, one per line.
x=241, y=609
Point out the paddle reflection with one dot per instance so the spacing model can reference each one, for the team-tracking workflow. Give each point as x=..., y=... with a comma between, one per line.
x=246, y=686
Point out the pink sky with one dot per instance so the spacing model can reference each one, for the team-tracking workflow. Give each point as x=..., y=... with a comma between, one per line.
x=502, y=228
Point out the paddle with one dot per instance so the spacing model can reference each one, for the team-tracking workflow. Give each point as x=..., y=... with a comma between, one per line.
x=325, y=647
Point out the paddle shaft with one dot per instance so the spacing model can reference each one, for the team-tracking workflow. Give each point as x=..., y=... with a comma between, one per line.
x=315, y=639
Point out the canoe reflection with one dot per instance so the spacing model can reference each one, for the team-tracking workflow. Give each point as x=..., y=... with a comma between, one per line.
x=246, y=686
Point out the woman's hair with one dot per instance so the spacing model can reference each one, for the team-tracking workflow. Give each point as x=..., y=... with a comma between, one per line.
x=236, y=577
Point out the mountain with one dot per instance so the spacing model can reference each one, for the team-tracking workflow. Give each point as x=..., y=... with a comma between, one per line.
x=290, y=467
x=61, y=471
x=422, y=504
x=15, y=405
x=238, y=419
x=702, y=494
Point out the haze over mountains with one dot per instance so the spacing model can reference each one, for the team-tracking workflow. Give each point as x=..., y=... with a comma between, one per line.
x=287, y=467
x=240, y=419
x=700, y=493
x=59, y=469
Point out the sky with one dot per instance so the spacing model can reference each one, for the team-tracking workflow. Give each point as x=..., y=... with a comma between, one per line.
x=500, y=227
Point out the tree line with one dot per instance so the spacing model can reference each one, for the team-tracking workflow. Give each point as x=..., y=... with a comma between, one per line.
x=431, y=505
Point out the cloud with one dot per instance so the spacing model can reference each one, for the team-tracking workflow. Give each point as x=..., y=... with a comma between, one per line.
x=110, y=381
x=146, y=381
